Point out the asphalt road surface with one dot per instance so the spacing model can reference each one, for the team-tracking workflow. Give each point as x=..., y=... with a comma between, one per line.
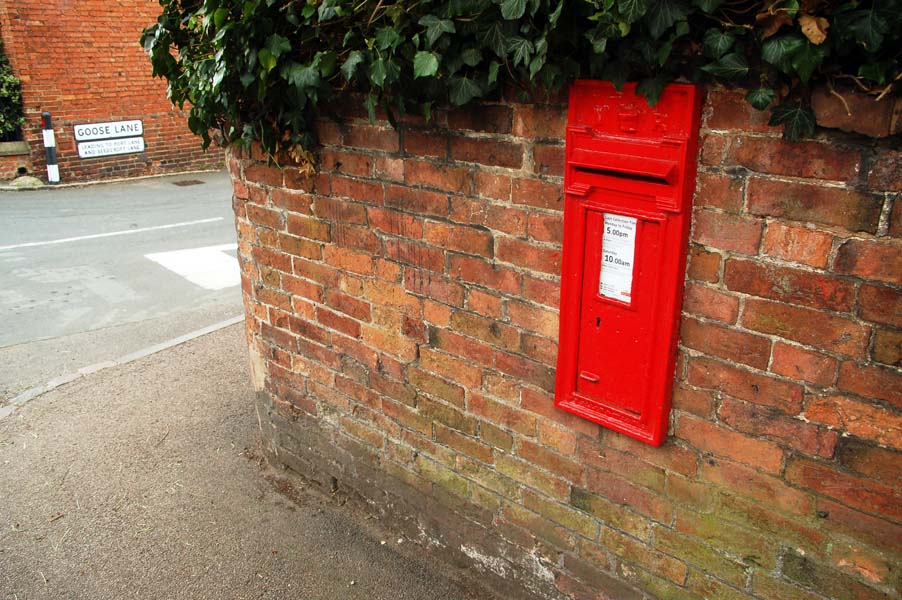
x=93, y=273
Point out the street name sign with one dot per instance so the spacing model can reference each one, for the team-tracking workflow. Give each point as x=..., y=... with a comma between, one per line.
x=102, y=131
x=110, y=147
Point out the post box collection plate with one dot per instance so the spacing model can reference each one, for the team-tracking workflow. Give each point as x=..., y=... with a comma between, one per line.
x=628, y=185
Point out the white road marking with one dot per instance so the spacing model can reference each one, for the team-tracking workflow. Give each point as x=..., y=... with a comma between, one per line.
x=209, y=267
x=110, y=234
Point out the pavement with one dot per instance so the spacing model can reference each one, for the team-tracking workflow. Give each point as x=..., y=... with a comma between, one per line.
x=95, y=272
x=145, y=480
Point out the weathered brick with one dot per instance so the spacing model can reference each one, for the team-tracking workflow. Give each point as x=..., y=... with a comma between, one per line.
x=797, y=244
x=537, y=193
x=888, y=347
x=871, y=461
x=745, y=385
x=727, y=343
x=807, y=326
x=803, y=365
x=872, y=382
x=856, y=492
x=789, y=285
x=489, y=119
x=721, y=441
x=869, y=259
x=720, y=190
x=765, y=422
x=373, y=137
x=726, y=231
x=438, y=176
x=810, y=159
x=528, y=256
x=539, y=121
x=704, y=265
x=487, y=152
x=471, y=240
x=880, y=305
x=501, y=414
x=548, y=159
x=851, y=210
x=711, y=303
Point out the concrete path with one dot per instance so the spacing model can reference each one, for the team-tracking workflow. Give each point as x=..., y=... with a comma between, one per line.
x=144, y=481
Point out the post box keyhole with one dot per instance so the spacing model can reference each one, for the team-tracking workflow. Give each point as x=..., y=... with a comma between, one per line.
x=597, y=322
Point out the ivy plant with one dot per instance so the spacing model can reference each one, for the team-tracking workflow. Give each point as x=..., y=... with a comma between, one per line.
x=11, y=118
x=266, y=69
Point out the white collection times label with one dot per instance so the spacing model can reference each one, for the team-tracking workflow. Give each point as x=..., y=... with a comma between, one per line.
x=618, y=252
x=110, y=147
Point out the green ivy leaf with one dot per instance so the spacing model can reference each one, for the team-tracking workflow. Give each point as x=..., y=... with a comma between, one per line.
x=778, y=50
x=760, y=98
x=435, y=27
x=731, y=66
x=350, y=65
x=471, y=57
x=327, y=61
x=387, y=37
x=868, y=27
x=807, y=58
x=278, y=45
x=513, y=9
x=797, y=120
x=651, y=88
x=632, y=10
x=462, y=90
x=378, y=72
x=493, y=72
x=370, y=103
x=521, y=49
x=267, y=60
x=717, y=42
x=303, y=76
x=425, y=64
x=662, y=14
x=707, y=6
x=220, y=16
x=879, y=73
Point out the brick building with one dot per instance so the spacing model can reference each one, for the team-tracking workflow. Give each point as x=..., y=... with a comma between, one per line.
x=403, y=324
x=82, y=62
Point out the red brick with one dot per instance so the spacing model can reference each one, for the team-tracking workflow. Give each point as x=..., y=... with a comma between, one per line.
x=462, y=239
x=713, y=147
x=745, y=385
x=483, y=303
x=871, y=461
x=492, y=185
x=719, y=190
x=529, y=371
x=758, y=486
x=868, y=259
x=861, y=419
x=374, y=137
x=621, y=491
x=727, y=343
x=895, y=219
x=417, y=201
x=872, y=382
x=803, y=365
x=529, y=256
x=356, y=262
x=436, y=287
x=886, y=173
x=727, y=109
x=348, y=163
x=487, y=118
x=439, y=176
x=789, y=285
x=416, y=255
x=810, y=159
x=797, y=244
x=854, y=491
x=300, y=287
x=849, y=209
x=363, y=191
x=727, y=232
x=464, y=444
x=876, y=532
x=487, y=330
x=703, y=265
x=395, y=222
x=720, y=441
x=539, y=121
x=542, y=291
x=292, y=201
x=532, y=318
x=543, y=404
x=541, y=349
x=270, y=258
x=537, y=193
x=340, y=211
x=300, y=247
x=451, y=367
x=550, y=461
x=546, y=228
x=265, y=217
x=338, y=322
x=548, y=160
x=697, y=402
x=710, y=303
x=308, y=227
x=487, y=152
x=426, y=142
x=764, y=422
x=484, y=273
x=880, y=305
x=461, y=346
x=806, y=326
x=263, y=175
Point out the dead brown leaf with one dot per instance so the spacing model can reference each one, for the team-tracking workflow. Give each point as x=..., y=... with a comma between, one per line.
x=814, y=28
x=770, y=23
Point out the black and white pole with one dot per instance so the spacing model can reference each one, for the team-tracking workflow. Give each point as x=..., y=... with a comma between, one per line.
x=53, y=170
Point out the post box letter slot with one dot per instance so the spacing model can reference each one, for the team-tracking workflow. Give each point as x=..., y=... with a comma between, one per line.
x=629, y=179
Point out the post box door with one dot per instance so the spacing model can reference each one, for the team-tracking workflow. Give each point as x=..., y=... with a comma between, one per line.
x=618, y=313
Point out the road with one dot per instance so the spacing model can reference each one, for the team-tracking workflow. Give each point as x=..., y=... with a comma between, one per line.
x=93, y=273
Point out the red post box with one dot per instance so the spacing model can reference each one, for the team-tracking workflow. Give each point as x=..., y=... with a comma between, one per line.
x=629, y=180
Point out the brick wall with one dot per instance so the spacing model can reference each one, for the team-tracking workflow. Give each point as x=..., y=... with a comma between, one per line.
x=403, y=319
x=82, y=62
